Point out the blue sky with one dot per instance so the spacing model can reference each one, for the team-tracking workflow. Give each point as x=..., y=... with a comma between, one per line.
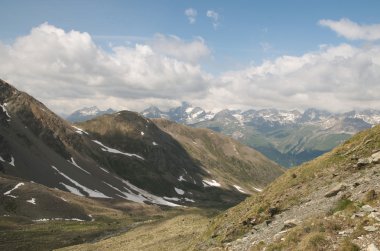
x=245, y=33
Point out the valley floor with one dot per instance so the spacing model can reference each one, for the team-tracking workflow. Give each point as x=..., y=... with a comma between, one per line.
x=180, y=232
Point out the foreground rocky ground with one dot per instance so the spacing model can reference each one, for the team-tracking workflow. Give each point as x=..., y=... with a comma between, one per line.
x=330, y=203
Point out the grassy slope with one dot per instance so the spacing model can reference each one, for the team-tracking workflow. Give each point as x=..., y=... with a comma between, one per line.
x=224, y=157
x=178, y=232
x=289, y=189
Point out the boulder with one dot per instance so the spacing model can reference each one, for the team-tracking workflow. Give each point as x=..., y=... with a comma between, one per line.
x=335, y=190
x=368, y=209
x=370, y=228
x=273, y=211
x=363, y=162
x=290, y=223
x=372, y=247
x=375, y=158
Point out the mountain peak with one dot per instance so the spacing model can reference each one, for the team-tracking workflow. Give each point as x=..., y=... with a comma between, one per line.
x=87, y=113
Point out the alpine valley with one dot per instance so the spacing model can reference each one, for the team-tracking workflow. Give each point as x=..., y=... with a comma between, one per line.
x=286, y=137
x=102, y=175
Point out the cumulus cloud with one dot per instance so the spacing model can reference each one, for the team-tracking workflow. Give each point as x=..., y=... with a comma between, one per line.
x=175, y=47
x=214, y=16
x=334, y=78
x=51, y=59
x=351, y=30
x=191, y=15
x=67, y=70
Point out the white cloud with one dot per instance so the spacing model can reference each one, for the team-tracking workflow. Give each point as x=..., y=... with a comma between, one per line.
x=191, y=15
x=175, y=47
x=50, y=59
x=214, y=16
x=351, y=30
x=67, y=70
x=334, y=78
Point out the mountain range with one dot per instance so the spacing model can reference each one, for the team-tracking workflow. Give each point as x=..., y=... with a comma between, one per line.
x=287, y=137
x=329, y=203
x=87, y=113
x=124, y=156
x=123, y=181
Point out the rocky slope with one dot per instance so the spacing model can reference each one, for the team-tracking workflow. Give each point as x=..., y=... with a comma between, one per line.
x=330, y=203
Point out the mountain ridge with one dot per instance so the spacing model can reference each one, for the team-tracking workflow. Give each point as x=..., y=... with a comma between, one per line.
x=122, y=156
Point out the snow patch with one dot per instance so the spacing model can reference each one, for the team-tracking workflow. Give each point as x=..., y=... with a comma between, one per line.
x=257, y=189
x=75, y=164
x=195, y=115
x=5, y=109
x=189, y=110
x=148, y=196
x=212, y=183
x=104, y=170
x=154, y=143
x=189, y=200
x=91, y=193
x=80, y=131
x=64, y=199
x=71, y=189
x=181, y=178
x=12, y=163
x=179, y=191
x=239, y=189
x=112, y=150
x=8, y=193
x=172, y=198
x=32, y=201
x=56, y=219
x=142, y=133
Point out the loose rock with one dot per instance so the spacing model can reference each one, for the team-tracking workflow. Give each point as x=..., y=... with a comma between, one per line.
x=368, y=209
x=370, y=228
x=372, y=247
x=290, y=224
x=335, y=190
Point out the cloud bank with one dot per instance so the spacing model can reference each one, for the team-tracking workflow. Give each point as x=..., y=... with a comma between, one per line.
x=67, y=70
x=351, y=30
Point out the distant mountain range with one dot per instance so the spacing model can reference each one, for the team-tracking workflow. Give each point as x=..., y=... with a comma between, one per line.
x=287, y=137
x=87, y=113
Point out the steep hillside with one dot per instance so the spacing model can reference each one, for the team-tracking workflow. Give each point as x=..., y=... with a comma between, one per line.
x=224, y=158
x=199, y=174
x=38, y=146
x=330, y=203
x=115, y=157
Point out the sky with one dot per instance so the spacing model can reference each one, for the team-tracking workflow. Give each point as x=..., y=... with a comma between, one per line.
x=215, y=54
